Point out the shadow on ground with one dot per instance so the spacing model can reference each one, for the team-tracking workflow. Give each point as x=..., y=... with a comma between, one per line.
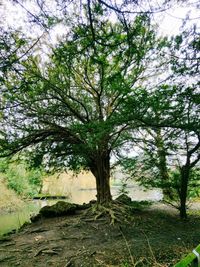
x=154, y=237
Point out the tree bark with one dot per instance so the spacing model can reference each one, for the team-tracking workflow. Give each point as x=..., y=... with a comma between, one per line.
x=100, y=168
x=185, y=171
x=164, y=174
x=162, y=165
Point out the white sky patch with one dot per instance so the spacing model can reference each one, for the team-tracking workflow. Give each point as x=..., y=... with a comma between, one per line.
x=172, y=20
x=169, y=22
x=12, y=14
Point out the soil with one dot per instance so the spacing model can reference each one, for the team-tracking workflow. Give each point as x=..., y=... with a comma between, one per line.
x=154, y=237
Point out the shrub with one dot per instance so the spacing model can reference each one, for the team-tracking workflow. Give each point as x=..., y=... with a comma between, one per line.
x=25, y=182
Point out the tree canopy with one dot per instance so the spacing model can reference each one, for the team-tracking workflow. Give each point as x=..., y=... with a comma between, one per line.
x=102, y=84
x=70, y=110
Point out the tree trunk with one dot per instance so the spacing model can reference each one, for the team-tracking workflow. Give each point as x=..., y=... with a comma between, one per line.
x=162, y=165
x=167, y=192
x=101, y=170
x=183, y=191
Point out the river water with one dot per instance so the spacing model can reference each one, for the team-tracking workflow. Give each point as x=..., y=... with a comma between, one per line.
x=79, y=190
x=15, y=220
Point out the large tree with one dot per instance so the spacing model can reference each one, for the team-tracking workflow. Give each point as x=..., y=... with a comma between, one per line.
x=68, y=111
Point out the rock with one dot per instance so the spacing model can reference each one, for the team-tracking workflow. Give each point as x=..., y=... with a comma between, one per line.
x=92, y=202
x=36, y=218
x=59, y=209
x=123, y=198
x=84, y=206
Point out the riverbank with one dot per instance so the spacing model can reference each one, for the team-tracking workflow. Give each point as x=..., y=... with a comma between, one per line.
x=154, y=237
x=9, y=201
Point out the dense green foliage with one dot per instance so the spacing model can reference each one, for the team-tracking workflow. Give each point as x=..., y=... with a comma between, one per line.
x=22, y=180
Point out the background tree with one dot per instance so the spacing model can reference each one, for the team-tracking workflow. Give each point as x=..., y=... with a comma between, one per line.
x=185, y=58
x=171, y=142
x=173, y=167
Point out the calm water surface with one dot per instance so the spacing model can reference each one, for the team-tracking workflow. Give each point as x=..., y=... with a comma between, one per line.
x=15, y=220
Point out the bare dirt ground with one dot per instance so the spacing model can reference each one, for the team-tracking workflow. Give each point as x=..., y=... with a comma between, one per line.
x=154, y=237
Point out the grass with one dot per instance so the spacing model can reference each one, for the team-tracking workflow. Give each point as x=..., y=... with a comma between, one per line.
x=9, y=201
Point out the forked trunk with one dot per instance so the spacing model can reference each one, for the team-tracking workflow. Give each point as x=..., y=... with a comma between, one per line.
x=101, y=170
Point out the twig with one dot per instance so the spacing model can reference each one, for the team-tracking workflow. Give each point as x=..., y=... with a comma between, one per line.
x=128, y=247
x=151, y=251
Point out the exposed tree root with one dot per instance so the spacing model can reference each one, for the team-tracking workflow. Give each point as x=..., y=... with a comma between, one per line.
x=116, y=212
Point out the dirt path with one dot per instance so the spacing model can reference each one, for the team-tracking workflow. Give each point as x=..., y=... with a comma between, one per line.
x=153, y=238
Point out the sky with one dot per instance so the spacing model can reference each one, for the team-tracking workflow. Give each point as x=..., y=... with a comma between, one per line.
x=169, y=21
x=172, y=20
